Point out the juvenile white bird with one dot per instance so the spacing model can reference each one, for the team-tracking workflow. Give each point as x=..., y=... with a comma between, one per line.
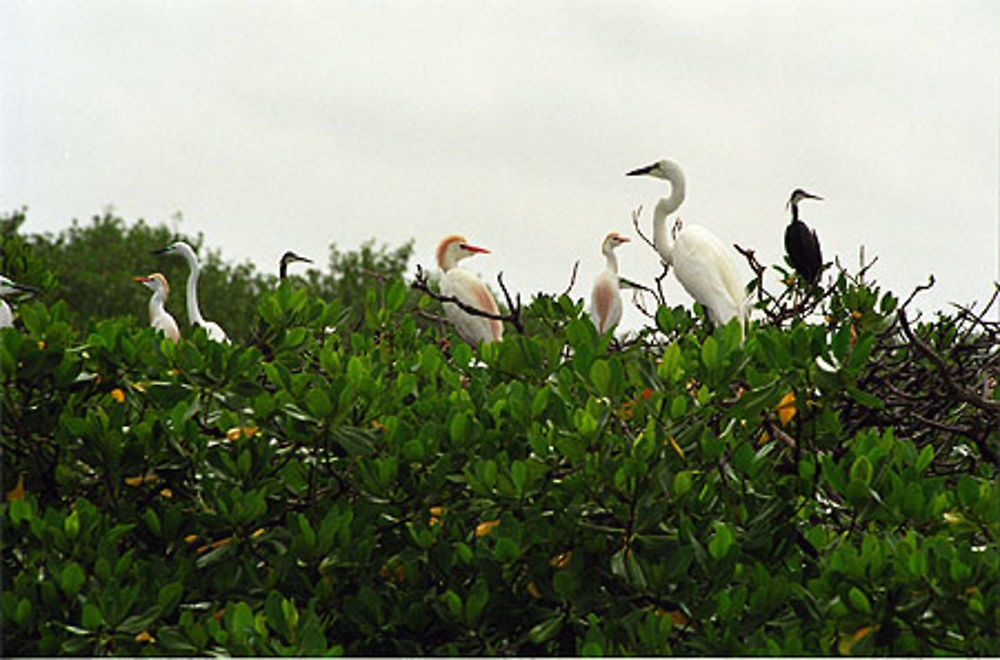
x=288, y=258
x=464, y=285
x=606, y=299
x=159, y=317
x=215, y=332
x=9, y=287
x=700, y=261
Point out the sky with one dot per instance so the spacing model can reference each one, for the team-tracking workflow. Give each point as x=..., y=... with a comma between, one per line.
x=270, y=126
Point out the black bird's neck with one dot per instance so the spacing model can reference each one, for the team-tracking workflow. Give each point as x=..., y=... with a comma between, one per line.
x=795, y=212
x=283, y=270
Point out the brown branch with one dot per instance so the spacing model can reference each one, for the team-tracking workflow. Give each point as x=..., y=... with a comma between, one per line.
x=922, y=287
x=960, y=393
x=572, y=277
x=514, y=317
x=635, y=223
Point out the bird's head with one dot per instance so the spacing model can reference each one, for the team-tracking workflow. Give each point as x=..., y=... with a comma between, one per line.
x=611, y=241
x=290, y=258
x=453, y=249
x=178, y=247
x=9, y=286
x=156, y=282
x=798, y=195
x=661, y=169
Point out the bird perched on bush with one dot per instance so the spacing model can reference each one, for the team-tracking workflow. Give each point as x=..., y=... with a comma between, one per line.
x=213, y=329
x=466, y=286
x=9, y=287
x=605, y=298
x=159, y=317
x=801, y=242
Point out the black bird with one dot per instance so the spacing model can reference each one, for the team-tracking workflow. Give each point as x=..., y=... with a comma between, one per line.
x=287, y=258
x=801, y=242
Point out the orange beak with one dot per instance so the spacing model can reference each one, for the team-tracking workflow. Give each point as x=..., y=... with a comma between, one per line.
x=473, y=248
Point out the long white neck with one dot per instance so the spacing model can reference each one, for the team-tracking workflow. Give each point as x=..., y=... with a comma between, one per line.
x=662, y=240
x=194, y=313
x=612, y=260
x=156, y=307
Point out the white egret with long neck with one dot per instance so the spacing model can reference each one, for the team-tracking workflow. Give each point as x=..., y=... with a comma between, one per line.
x=10, y=287
x=606, y=298
x=701, y=262
x=466, y=286
x=214, y=331
x=159, y=317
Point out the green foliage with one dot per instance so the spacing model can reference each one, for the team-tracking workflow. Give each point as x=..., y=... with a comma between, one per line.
x=342, y=484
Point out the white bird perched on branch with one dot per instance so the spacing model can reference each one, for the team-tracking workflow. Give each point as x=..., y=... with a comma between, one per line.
x=606, y=299
x=214, y=331
x=464, y=285
x=8, y=287
x=159, y=317
x=701, y=262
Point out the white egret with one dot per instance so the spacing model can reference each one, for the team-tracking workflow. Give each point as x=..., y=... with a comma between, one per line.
x=288, y=258
x=9, y=287
x=159, y=317
x=606, y=299
x=801, y=242
x=214, y=331
x=700, y=261
x=464, y=285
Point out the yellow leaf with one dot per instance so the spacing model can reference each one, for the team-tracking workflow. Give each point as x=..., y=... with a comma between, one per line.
x=190, y=538
x=677, y=447
x=144, y=636
x=533, y=590
x=17, y=492
x=233, y=434
x=786, y=408
x=764, y=438
x=484, y=528
x=679, y=618
x=257, y=532
x=861, y=632
x=951, y=518
x=166, y=492
x=133, y=481
x=41, y=345
x=436, y=511
x=562, y=560
x=856, y=314
x=379, y=425
x=250, y=431
x=118, y=395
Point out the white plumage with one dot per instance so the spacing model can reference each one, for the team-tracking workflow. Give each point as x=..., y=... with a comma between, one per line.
x=214, y=330
x=606, y=298
x=159, y=317
x=466, y=286
x=700, y=261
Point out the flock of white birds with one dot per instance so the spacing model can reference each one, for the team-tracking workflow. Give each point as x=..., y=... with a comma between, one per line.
x=699, y=260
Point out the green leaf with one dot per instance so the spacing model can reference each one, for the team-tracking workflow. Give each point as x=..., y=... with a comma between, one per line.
x=861, y=470
x=136, y=623
x=476, y=601
x=710, y=353
x=721, y=541
x=318, y=403
x=546, y=630
x=859, y=600
x=169, y=597
x=925, y=458
x=600, y=376
x=454, y=603
x=395, y=295
x=669, y=369
x=92, y=618
x=682, y=482
x=71, y=578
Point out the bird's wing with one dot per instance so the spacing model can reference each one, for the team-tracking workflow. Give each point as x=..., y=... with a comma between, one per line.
x=466, y=286
x=605, y=302
x=215, y=331
x=707, y=272
x=802, y=246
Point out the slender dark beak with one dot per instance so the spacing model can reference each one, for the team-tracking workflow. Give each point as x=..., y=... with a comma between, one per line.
x=25, y=288
x=642, y=170
x=299, y=257
x=160, y=251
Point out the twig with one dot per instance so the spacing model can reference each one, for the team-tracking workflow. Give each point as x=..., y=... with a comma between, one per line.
x=635, y=223
x=514, y=317
x=983, y=404
x=922, y=287
x=572, y=277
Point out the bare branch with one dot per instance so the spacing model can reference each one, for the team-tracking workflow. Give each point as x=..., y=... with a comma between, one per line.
x=635, y=223
x=922, y=287
x=514, y=317
x=572, y=277
x=956, y=391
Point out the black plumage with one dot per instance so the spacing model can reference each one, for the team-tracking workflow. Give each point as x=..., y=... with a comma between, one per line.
x=287, y=258
x=801, y=242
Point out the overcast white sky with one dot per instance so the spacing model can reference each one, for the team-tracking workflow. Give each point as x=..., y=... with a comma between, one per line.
x=291, y=125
